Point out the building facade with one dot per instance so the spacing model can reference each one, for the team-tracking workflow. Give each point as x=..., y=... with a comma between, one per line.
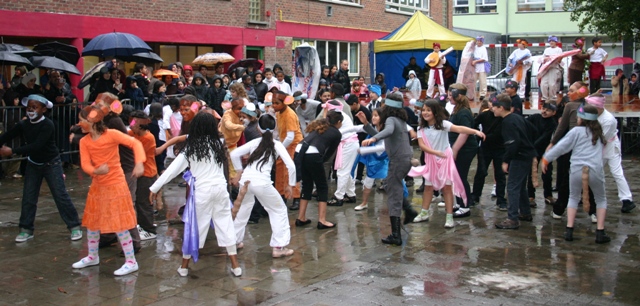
x=181, y=30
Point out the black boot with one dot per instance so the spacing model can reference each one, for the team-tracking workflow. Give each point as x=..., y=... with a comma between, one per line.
x=409, y=212
x=295, y=205
x=395, y=238
x=568, y=234
x=601, y=236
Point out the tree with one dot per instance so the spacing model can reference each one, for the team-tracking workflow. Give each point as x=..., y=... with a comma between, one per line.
x=617, y=19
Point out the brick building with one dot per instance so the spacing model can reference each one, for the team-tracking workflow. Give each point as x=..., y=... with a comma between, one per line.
x=180, y=30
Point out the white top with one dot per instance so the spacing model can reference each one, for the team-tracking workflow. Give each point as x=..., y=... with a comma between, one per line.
x=260, y=176
x=166, y=124
x=440, y=63
x=438, y=139
x=480, y=53
x=610, y=130
x=347, y=124
x=597, y=56
x=162, y=135
x=551, y=52
x=207, y=172
x=305, y=116
x=284, y=87
x=519, y=54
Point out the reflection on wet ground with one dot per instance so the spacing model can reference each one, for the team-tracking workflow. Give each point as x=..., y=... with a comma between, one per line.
x=469, y=265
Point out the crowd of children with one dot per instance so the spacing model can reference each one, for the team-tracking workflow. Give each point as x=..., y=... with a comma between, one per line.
x=247, y=137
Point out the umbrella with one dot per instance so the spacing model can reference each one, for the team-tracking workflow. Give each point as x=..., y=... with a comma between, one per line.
x=53, y=63
x=9, y=58
x=18, y=49
x=115, y=44
x=213, y=58
x=620, y=60
x=162, y=72
x=87, y=78
x=67, y=53
x=256, y=63
x=146, y=56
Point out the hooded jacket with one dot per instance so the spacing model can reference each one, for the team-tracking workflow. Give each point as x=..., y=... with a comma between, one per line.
x=202, y=91
x=217, y=94
x=342, y=77
x=383, y=85
x=260, y=87
x=287, y=79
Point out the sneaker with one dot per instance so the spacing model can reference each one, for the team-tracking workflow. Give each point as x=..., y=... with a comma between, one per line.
x=627, y=206
x=594, y=219
x=144, y=235
x=508, y=224
x=361, y=207
x=76, y=235
x=441, y=204
x=237, y=272
x=456, y=207
x=17, y=175
x=86, y=262
x=449, y=223
x=493, y=191
x=126, y=269
x=557, y=217
x=183, y=271
x=335, y=202
x=462, y=212
x=502, y=207
x=281, y=252
x=437, y=199
x=22, y=237
x=422, y=216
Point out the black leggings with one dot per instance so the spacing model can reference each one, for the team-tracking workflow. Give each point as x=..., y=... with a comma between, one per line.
x=463, y=163
x=313, y=172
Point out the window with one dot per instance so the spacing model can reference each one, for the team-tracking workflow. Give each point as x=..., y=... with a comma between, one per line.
x=255, y=10
x=184, y=53
x=486, y=6
x=407, y=6
x=461, y=6
x=347, y=2
x=332, y=52
x=531, y=5
x=558, y=5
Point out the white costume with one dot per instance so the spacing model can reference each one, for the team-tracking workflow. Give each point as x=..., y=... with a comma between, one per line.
x=521, y=75
x=550, y=82
x=612, y=155
x=432, y=78
x=261, y=187
x=481, y=75
x=348, y=148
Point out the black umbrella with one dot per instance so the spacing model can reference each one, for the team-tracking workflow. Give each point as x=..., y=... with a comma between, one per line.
x=8, y=58
x=142, y=57
x=115, y=44
x=54, y=63
x=256, y=63
x=65, y=52
x=18, y=49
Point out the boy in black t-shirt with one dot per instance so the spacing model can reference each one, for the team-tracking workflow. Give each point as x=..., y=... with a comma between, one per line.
x=511, y=88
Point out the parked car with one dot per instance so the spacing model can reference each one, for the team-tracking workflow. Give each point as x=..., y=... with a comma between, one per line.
x=495, y=83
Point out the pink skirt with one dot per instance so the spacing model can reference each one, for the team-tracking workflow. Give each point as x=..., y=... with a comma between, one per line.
x=440, y=171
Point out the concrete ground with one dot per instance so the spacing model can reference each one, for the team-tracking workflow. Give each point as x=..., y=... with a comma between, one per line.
x=472, y=264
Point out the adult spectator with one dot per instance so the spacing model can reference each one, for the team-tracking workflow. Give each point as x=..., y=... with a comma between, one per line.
x=342, y=76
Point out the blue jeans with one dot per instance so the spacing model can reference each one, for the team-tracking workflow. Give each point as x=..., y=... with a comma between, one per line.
x=52, y=173
x=517, y=188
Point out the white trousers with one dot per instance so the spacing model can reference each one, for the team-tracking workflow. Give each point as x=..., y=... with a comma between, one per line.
x=273, y=204
x=212, y=203
x=482, y=77
x=368, y=182
x=346, y=183
x=550, y=84
x=522, y=88
x=613, y=158
x=432, y=82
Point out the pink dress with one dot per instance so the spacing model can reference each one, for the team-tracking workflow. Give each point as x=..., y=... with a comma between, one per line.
x=440, y=171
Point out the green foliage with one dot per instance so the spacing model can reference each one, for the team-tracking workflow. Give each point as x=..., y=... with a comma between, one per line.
x=617, y=19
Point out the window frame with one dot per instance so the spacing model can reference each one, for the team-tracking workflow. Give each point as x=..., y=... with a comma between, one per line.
x=353, y=62
x=554, y=3
x=524, y=6
x=483, y=5
x=404, y=9
x=456, y=6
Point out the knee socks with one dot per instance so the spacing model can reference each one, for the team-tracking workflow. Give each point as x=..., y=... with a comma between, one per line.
x=127, y=247
x=93, y=240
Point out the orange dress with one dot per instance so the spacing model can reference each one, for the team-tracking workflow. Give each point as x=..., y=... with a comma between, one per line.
x=287, y=121
x=109, y=207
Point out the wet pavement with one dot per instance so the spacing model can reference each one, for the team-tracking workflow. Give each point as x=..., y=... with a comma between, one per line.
x=472, y=264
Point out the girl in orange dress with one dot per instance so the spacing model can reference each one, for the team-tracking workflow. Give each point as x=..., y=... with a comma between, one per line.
x=109, y=208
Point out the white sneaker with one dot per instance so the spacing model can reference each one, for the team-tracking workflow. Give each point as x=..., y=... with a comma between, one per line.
x=23, y=236
x=441, y=204
x=557, y=217
x=361, y=207
x=237, y=271
x=437, y=199
x=126, y=269
x=422, y=216
x=76, y=235
x=449, y=223
x=85, y=262
x=144, y=235
x=183, y=271
x=493, y=191
x=594, y=219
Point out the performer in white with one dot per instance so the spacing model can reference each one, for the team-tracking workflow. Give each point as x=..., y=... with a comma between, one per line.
x=611, y=154
x=479, y=58
x=550, y=82
x=519, y=63
x=435, y=74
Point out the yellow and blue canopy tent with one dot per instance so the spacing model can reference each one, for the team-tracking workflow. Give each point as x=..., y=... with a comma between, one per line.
x=415, y=37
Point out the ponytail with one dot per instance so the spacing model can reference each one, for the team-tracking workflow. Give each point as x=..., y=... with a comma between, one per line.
x=266, y=148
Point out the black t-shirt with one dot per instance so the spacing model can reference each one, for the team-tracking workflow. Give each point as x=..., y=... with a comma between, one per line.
x=516, y=105
x=39, y=137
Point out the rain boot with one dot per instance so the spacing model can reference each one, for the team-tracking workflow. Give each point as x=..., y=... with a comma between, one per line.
x=601, y=236
x=395, y=237
x=568, y=234
x=409, y=212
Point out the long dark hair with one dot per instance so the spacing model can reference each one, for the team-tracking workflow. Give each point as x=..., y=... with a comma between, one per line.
x=593, y=125
x=438, y=113
x=388, y=111
x=322, y=125
x=266, y=148
x=204, y=138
